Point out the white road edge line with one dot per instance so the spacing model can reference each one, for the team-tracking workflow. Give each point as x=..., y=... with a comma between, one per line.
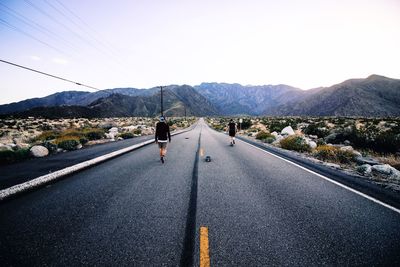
x=44, y=179
x=329, y=179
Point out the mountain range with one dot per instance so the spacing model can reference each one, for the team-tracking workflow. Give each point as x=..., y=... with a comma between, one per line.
x=373, y=96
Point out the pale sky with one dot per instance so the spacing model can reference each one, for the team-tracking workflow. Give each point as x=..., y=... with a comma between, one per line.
x=142, y=44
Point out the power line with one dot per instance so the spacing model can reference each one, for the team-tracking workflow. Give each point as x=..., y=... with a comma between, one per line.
x=35, y=25
x=50, y=75
x=105, y=43
x=29, y=35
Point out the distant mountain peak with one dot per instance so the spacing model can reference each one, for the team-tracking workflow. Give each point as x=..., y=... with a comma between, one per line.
x=376, y=77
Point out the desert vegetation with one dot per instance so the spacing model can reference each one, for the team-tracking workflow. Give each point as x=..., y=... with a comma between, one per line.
x=22, y=139
x=360, y=145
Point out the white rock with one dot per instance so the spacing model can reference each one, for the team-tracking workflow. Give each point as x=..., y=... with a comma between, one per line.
x=274, y=134
x=387, y=170
x=79, y=146
x=39, y=151
x=356, y=153
x=313, y=136
x=287, y=131
x=312, y=144
x=347, y=148
x=113, y=130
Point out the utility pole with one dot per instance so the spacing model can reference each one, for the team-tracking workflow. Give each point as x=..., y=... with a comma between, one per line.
x=185, y=112
x=162, y=107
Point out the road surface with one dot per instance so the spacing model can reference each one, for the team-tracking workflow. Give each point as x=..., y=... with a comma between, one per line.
x=259, y=210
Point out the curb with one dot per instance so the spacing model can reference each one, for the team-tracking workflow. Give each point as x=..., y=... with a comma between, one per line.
x=54, y=176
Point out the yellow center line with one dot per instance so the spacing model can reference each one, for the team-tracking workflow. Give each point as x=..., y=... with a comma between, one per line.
x=201, y=152
x=204, y=247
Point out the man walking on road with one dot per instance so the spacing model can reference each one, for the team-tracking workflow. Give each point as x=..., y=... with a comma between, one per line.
x=232, y=129
x=162, y=136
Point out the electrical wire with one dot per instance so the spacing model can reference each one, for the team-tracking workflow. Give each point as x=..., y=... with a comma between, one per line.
x=29, y=35
x=35, y=25
x=50, y=75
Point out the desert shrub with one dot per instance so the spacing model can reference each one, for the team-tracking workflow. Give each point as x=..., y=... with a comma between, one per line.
x=372, y=138
x=270, y=139
x=83, y=140
x=47, y=135
x=246, y=124
x=386, y=142
x=345, y=156
x=126, y=135
x=50, y=146
x=93, y=134
x=331, y=153
x=137, y=131
x=296, y=143
x=316, y=129
x=72, y=132
x=321, y=142
x=266, y=137
x=7, y=157
x=276, y=126
x=45, y=127
x=325, y=152
x=67, y=142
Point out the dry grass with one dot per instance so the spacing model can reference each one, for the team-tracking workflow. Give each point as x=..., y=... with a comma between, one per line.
x=390, y=159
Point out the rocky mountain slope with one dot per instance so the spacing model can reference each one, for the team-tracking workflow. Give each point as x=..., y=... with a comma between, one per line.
x=232, y=99
x=176, y=99
x=373, y=96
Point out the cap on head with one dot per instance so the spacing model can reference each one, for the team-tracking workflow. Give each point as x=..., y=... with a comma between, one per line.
x=162, y=118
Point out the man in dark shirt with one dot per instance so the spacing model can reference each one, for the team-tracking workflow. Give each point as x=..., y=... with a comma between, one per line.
x=162, y=136
x=232, y=129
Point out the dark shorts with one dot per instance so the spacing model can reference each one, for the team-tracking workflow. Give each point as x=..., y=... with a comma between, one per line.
x=232, y=133
x=162, y=144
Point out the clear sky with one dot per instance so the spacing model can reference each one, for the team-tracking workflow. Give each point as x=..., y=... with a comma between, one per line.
x=142, y=44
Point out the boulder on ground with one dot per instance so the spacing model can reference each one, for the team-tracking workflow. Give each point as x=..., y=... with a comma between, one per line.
x=113, y=130
x=312, y=144
x=287, y=131
x=364, y=169
x=39, y=151
x=347, y=148
x=387, y=170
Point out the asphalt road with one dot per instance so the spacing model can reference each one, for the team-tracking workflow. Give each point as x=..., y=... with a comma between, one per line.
x=134, y=211
x=20, y=172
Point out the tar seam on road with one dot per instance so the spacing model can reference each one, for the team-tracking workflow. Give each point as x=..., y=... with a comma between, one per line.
x=330, y=180
x=190, y=230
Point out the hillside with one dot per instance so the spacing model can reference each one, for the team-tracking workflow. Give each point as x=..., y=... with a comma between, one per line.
x=373, y=96
x=176, y=98
x=231, y=99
